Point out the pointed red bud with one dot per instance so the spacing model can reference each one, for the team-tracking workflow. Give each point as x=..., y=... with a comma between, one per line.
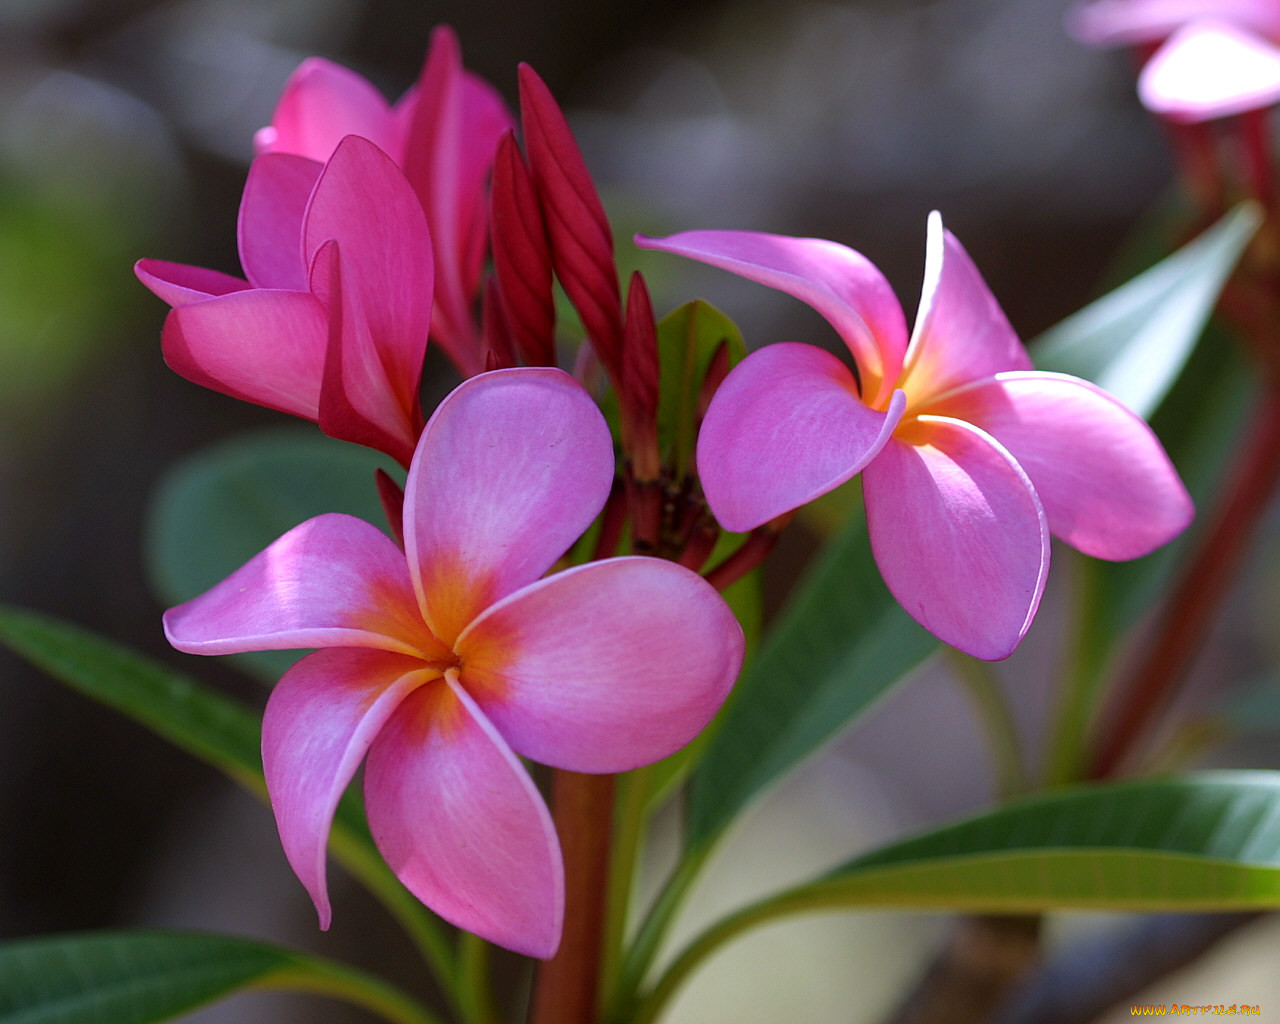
x=522, y=256
x=581, y=241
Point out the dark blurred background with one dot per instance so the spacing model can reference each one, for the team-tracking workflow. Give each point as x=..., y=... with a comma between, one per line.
x=125, y=131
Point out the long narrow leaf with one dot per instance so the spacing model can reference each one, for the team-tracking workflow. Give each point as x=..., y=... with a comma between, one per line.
x=841, y=643
x=143, y=977
x=1135, y=340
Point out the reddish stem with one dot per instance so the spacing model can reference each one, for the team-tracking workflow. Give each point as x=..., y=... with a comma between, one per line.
x=1198, y=594
x=567, y=990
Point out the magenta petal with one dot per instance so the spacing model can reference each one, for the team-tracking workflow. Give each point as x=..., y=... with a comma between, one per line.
x=1111, y=22
x=270, y=224
x=363, y=202
x=322, y=102
x=258, y=345
x=179, y=284
x=321, y=718
x=511, y=469
x=1211, y=69
x=462, y=825
x=786, y=426
x=961, y=333
x=449, y=150
x=606, y=666
x=358, y=402
x=959, y=535
x=1105, y=482
x=841, y=284
x=334, y=581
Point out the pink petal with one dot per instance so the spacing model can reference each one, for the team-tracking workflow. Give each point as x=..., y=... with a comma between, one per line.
x=363, y=201
x=449, y=150
x=1211, y=69
x=321, y=103
x=1104, y=480
x=334, y=581
x=262, y=346
x=958, y=534
x=178, y=284
x=961, y=333
x=321, y=718
x=511, y=469
x=606, y=666
x=1111, y=22
x=786, y=426
x=839, y=283
x=270, y=225
x=461, y=823
x=358, y=402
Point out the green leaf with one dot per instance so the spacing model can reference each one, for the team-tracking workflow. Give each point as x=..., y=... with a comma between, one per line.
x=841, y=642
x=141, y=977
x=221, y=506
x=1203, y=842
x=1135, y=340
x=688, y=338
x=216, y=729
x=224, y=504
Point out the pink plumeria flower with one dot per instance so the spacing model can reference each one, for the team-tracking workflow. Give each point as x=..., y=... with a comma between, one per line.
x=332, y=321
x=442, y=664
x=1211, y=58
x=969, y=457
x=443, y=133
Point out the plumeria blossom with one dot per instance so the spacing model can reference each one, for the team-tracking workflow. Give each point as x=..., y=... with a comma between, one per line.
x=441, y=664
x=443, y=133
x=331, y=322
x=970, y=458
x=1211, y=58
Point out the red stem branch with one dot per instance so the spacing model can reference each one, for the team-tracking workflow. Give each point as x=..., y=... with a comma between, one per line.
x=1199, y=592
x=567, y=989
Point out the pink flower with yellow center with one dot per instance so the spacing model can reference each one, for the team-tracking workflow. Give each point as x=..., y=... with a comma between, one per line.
x=969, y=457
x=442, y=664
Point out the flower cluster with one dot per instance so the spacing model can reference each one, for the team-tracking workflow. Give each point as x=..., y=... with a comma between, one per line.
x=445, y=655
x=449, y=650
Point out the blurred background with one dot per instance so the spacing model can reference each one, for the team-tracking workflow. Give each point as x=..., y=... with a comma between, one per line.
x=125, y=131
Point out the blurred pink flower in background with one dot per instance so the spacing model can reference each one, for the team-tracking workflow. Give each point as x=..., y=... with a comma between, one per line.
x=1209, y=58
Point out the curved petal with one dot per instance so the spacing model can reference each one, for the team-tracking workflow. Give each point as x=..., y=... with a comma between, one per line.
x=269, y=229
x=358, y=402
x=462, y=825
x=334, y=581
x=178, y=283
x=958, y=534
x=786, y=426
x=1105, y=482
x=961, y=333
x=841, y=284
x=1112, y=22
x=449, y=150
x=511, y=469
x=363, y=201
x=1211, y=69
x=321, y=103
x=319, y=722
x=603, y=667
x=259, y=345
